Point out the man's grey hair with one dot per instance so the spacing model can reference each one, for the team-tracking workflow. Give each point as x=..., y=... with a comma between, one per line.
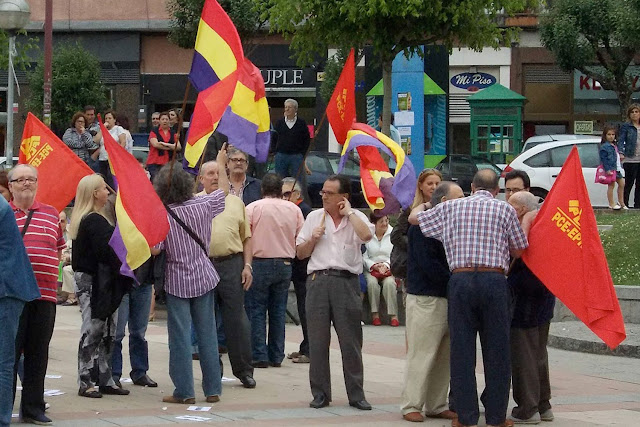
x=22, y=165
x=295, y=182
x=442, y=190
x=526, y=199
x=232, y=150
x=292, y=102
x=205, y=165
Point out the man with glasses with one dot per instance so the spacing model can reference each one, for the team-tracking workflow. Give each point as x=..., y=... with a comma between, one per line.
x=291, y=191
x=332, y=238
x=533, y=310
x=240, y=184
x=42, y=235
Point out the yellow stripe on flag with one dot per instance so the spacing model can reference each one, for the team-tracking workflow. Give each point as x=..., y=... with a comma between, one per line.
x=215, y=50
x=193, y=152
x=137, y=247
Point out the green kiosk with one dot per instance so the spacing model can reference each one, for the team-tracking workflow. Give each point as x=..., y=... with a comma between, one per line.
x=496, y=123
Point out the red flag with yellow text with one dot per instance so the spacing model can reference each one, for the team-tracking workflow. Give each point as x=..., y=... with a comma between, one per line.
x=566, y=254
x=59, y=169
x=341, y=110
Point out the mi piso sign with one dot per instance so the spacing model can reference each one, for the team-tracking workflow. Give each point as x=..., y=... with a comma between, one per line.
x=473, y=82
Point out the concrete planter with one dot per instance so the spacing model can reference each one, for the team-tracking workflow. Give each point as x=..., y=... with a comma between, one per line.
x=628, y=296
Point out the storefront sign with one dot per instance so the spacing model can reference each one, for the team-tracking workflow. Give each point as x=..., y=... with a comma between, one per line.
x=585, y=87
x=583, y=127
x=473, y=82
x=282, y=77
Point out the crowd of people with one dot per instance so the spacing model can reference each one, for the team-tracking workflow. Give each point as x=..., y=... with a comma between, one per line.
x=235, y=244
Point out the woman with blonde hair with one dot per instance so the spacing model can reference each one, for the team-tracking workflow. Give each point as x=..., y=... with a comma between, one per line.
x=91, y=228
x=428, y=180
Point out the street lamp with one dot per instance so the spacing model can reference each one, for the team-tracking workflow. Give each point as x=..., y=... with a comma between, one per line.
x=14, y=15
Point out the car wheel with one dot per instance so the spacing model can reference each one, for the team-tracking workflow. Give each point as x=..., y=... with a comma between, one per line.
x=540, y=193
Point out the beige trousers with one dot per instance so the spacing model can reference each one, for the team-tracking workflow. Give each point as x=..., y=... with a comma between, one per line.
x=427, y=372
x=388, y=290
x=68, y=283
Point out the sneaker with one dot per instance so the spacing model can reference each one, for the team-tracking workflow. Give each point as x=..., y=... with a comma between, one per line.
x=548, y=414
x=39, y=420
x=615, y=207
x=534, y=419
x=625, y=208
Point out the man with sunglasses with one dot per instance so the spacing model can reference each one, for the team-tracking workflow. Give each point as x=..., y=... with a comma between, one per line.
x=332, y=238
x=291, y=191
x=42, y=235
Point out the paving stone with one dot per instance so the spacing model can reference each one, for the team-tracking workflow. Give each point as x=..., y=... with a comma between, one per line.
x=137, y=421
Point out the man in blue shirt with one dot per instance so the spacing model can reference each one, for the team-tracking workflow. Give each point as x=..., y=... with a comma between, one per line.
x=17, y=286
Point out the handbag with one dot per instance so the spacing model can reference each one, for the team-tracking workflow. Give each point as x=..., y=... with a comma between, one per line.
x=602, y=177
x=379, y=275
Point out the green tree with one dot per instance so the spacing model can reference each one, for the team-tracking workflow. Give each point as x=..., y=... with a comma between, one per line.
x=185, y=14
x=391, y=27
x=75, y=82
x=24, y=47
x=597, y=37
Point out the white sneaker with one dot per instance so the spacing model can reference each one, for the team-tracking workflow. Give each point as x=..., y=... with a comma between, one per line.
x=616, y=207
x=626, y=208
x=548, y=414
x=535, y=419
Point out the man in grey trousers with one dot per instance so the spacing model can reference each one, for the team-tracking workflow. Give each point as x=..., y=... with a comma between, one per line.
x=332, y=237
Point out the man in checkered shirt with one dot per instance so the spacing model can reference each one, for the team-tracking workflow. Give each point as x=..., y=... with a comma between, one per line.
x=479, y=234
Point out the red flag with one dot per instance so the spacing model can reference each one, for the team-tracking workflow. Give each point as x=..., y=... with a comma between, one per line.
x=565, y=253
x=59, y=169
x=341, y=110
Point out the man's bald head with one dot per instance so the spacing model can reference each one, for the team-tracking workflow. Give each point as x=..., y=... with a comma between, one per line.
x=485, y=179
x=525, y=199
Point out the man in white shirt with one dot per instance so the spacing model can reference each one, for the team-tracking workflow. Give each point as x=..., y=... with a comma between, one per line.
x=332, y=237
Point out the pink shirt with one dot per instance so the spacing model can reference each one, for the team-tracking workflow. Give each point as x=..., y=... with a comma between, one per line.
x=275, y=223
x=339, y=248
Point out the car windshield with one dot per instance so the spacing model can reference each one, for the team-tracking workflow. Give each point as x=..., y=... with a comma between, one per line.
x=351, y=167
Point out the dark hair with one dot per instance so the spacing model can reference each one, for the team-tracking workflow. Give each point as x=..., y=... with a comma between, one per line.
x=373, y=218
x=345, y=183
x=164, y=113
x=76, y=116
x=606, y=130
x=179, y=190
x=486, y=179
x=109, y=111
x=89, y=107
x=517, y=173
x=442, y=190
x=123, y=121
x=271, y=185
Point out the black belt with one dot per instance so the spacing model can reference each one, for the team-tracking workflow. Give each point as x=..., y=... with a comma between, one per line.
x=334, y=272
x=274, y=259
x=225, y=258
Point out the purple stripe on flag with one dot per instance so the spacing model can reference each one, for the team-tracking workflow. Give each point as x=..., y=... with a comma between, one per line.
x=202, y=75
x=117, y=244
x=405, y=181
x=243, y=135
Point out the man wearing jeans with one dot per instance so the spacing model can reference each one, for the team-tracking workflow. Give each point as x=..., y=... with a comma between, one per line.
x=17, y=286
x=134, y=311
x=478, y=234
x=275, y=223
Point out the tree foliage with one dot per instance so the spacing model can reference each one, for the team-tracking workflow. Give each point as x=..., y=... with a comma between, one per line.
x=597, y=37
x=75, y=82
x=390, y=27
x=24, y=47
x=332, y=71
x=185, y=14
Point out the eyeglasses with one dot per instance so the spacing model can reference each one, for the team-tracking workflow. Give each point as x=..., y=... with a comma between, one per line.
x=513, y=190
x=327, y=193
x=21, y=181
x=239, y=161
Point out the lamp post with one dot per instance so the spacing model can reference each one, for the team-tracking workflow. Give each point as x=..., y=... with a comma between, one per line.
x=14, y=15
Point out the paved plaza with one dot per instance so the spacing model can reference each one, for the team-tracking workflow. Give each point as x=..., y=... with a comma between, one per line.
x=588, y=390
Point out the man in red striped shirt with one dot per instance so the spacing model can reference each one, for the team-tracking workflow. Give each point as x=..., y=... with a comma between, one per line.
x=44, y=242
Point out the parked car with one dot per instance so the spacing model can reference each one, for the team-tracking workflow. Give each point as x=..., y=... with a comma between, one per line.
x=323, y=164
x=461, y=168
x=544, y=161
x=140, y=152
x=541, y=139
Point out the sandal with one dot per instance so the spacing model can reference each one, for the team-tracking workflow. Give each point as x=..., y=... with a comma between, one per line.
x=90, y=392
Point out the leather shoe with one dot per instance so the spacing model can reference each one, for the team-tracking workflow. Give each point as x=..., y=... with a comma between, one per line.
x=40, y=420
x=363, y=405
x=173, y=399
x=319, y=402
x=145, y=381
x=414, y=417
x=113, y=390
x=446, y=414
x=248, y=381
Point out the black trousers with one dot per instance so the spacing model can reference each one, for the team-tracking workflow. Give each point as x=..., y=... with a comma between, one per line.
x=230, y=298
x=34, y=334
x=631, y=177
x=299, y=279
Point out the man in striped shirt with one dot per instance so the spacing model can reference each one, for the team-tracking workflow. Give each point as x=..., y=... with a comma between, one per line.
x=479, y=233
x=44, y=242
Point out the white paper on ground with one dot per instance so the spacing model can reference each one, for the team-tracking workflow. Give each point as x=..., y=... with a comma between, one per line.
x=53, y=377
x=199, y=408
x=53, y=392
x=226, y=380
x=192, y=418
x=15, y=415
x=126, y=380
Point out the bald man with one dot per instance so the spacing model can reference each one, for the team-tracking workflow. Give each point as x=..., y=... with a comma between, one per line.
x=533, y=310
